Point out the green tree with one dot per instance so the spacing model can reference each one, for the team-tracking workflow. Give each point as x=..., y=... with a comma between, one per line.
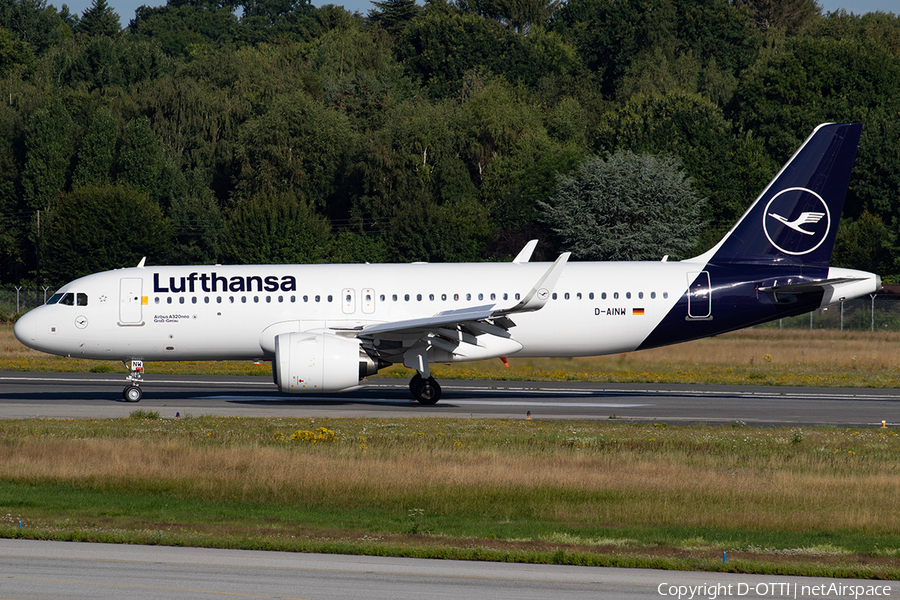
x=140, y=156
x=275, y=227
x=34, y=23
x=519, y=15
x=394, y=15
x=269, y=20
x=726, y=167
x=96, y=155
x=48, y=147
x=180, y=27
x=99, y=19
x=626, y=207
x=866, y=244
x=13, y=52
x=802, y=82
x=298, y=145
x=100, y=228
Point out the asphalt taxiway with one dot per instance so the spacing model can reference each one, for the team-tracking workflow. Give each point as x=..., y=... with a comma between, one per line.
x=68, y=395
x=39, y=569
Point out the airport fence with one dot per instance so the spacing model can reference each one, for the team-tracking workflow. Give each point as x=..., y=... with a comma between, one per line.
x=18, y=299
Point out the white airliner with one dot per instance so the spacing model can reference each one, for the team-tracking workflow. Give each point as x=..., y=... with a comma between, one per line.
x=326, y=327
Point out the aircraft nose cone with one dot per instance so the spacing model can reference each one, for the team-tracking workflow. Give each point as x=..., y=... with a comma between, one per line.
x=25, y=329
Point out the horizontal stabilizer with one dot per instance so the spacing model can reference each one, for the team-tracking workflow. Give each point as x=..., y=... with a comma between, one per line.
x=808, y=286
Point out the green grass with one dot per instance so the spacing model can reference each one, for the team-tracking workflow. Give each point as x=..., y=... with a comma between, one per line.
x=817, y=501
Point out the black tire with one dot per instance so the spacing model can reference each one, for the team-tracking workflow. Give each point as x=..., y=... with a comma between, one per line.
x=414, y=383
x=132, y=393
x=428, y=391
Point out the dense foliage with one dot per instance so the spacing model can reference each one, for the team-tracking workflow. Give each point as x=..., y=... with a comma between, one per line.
x=209, y=131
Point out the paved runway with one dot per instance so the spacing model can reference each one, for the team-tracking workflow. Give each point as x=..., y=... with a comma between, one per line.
x=36, y=569
x=67, y=395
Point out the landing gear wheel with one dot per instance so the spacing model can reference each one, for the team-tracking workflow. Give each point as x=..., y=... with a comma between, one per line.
x=426, y=391
x=132, y=393
x=414, y=383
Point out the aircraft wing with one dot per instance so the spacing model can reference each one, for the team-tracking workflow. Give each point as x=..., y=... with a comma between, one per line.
x=472, y=333
x=535, y=299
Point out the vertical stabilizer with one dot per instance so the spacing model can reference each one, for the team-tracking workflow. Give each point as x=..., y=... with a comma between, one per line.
x=795, y=219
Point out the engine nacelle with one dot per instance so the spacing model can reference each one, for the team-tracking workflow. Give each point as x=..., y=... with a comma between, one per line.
x=317, y=362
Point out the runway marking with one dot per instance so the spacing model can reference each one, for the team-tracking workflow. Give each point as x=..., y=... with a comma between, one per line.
x=492, y=387
x=446, y=402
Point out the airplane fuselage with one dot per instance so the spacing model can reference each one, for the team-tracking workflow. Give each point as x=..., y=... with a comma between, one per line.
x=234, y=312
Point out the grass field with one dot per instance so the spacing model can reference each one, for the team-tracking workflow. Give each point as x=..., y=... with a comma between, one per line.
x=818, y=501
x=814, y=501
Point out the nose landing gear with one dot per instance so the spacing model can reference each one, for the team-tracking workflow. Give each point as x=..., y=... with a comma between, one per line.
x=132, y=391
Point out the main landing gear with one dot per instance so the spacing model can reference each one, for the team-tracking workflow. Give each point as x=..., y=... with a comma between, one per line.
x=425, y=389
x=132, y=391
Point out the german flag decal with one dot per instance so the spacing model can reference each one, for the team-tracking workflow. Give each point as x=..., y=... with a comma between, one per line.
x=637, y=311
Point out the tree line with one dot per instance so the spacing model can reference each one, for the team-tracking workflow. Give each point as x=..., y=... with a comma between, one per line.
x=271, y=131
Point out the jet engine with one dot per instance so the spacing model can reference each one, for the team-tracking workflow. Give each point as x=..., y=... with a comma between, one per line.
x=320, y=362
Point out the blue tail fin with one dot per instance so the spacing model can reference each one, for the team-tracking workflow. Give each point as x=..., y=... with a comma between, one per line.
x=795, y=219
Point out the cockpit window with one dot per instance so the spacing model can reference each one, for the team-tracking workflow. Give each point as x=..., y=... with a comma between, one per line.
x=69, y=299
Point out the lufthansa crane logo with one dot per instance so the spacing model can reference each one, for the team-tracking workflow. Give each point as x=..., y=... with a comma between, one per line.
x=796, y=221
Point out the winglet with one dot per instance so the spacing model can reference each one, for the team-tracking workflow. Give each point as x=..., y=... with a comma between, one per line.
x=540, y=293
x=525, y=254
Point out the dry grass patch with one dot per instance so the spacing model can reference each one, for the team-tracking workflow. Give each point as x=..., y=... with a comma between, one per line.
x=762, y=356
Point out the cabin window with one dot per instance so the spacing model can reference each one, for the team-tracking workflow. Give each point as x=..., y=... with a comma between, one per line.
x=293, y=299
x=481, y=296
x=243, y=299
x=665, y=294
x=194, y=300
x=280, y=298
x=418, y=297
x=566, y=295
x=231, y=299
x=591, y=296
x=381, y=297
x=169, y=300
x=181, y=300
x=444, y=297
x=653, y=295
x=330, y=298
x=268, y=299
x=615, y=295
x=553, y=295
x=256, y=299
x=218, y=299
x=468, y=296
x=456, y=296
x=493, y=296
x=156, y=300
x=431, y=297
x=406, y=297
x=505, y=296
x=318, y=298
x=517, y=296
x=628, y=295
x=394, y=297
x=205, y=299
